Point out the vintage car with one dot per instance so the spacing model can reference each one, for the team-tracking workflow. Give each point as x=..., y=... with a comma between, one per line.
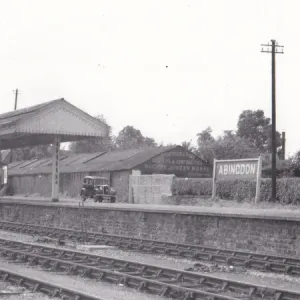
x=97, y=188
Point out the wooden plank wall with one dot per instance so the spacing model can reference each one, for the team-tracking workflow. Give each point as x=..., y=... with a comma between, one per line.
x=69, y=183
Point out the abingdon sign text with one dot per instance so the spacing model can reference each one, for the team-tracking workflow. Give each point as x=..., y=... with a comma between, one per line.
x=236, y=169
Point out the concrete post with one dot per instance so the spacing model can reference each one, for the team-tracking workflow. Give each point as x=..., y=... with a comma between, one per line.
x=55, y=169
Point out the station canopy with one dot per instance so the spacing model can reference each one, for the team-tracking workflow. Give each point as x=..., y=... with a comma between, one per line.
x=39, y=124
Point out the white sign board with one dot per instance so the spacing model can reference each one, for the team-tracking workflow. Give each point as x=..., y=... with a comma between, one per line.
x=244, y=169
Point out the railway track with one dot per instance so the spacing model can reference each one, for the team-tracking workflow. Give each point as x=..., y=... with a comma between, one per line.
x=172, y=283
x=262, y=262
x=43, y=287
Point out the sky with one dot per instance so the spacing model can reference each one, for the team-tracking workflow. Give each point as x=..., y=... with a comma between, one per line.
x=109, y=57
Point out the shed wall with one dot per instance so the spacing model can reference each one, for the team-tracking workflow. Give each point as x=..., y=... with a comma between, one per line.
x=69, y=183
x=120, y=181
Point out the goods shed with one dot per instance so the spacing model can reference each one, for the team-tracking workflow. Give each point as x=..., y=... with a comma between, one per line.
x=34, y=176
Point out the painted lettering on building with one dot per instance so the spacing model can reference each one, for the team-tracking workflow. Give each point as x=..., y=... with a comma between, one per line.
x=178, y=162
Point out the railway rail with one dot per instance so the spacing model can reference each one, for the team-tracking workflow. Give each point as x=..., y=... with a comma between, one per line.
x=43, y=287
x=262, y=262
x=172, y=283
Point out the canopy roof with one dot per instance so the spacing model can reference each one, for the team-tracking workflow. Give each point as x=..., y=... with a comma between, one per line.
x=39, y=124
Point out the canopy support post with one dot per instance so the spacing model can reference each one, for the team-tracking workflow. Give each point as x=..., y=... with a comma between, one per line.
x=55, y=169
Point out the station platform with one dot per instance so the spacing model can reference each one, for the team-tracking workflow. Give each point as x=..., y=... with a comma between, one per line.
x=284, y=213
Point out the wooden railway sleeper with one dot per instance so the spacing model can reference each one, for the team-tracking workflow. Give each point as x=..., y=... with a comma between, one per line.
x=252, y=290
x=45, y=264
x=32, y=261
x=224, y=286
x=55, y=293
x=267, y=266
x=246, y=264
x=22, y=258
x=288, y=269
x=123, y=281
x=164, y=291
x=71, y=270
x=55, y=267
x=188, y=296
x=36, y=287
x=85, y=273
x=142, y=286
x=21, y=281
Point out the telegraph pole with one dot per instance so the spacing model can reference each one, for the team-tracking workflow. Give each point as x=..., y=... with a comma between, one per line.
x=16, y=98
x=275, y=49
x=283, y=145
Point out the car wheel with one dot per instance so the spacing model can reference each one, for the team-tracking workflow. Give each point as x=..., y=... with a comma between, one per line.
x=112, y=200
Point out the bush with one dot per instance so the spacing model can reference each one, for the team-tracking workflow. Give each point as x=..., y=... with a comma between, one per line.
x=288, y=189
x=192, y=187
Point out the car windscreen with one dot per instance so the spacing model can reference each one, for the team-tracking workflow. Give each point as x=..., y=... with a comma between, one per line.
x=100, y=181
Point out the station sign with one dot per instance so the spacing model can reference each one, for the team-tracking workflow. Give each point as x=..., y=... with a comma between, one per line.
x=243, y=169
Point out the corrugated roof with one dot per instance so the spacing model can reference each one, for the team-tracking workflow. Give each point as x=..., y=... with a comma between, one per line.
x=15, y=164
x=39, y=162
x=96, y=162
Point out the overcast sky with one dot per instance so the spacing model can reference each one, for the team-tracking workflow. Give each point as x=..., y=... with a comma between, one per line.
x=109, y=57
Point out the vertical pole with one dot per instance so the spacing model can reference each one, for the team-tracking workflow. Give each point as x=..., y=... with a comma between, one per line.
x=274, y=148
x=130, y=189
x=274, y=50
x=16, y=98
x=16, y=104
x=214, y=188
x=1, y=172
x=55, y=169
x=283, y=145
x=258, y=179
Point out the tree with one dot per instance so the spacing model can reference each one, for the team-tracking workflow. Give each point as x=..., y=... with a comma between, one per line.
x=227, y=146
x=130, y=137
x=35, y=152
x=206, y=145
x=205, y=136
x=296, y=164
x=188, y=146
x=97, y=144
x=255, y=127
x=234, y=147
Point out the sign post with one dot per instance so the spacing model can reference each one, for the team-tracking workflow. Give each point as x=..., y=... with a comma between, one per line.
x=214, y=181
x=258, y=179
x=244, y=169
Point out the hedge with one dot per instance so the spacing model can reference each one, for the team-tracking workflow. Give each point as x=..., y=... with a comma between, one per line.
x=288, y=189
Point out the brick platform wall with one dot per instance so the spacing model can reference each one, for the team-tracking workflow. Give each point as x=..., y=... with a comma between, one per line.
x=252, y=234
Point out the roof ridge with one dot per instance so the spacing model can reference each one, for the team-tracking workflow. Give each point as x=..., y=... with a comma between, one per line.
x=28, y=109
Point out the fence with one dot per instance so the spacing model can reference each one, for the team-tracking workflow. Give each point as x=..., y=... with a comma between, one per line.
x=149, y=189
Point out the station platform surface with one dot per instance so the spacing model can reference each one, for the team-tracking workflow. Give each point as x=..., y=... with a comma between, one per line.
x=287, y=213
